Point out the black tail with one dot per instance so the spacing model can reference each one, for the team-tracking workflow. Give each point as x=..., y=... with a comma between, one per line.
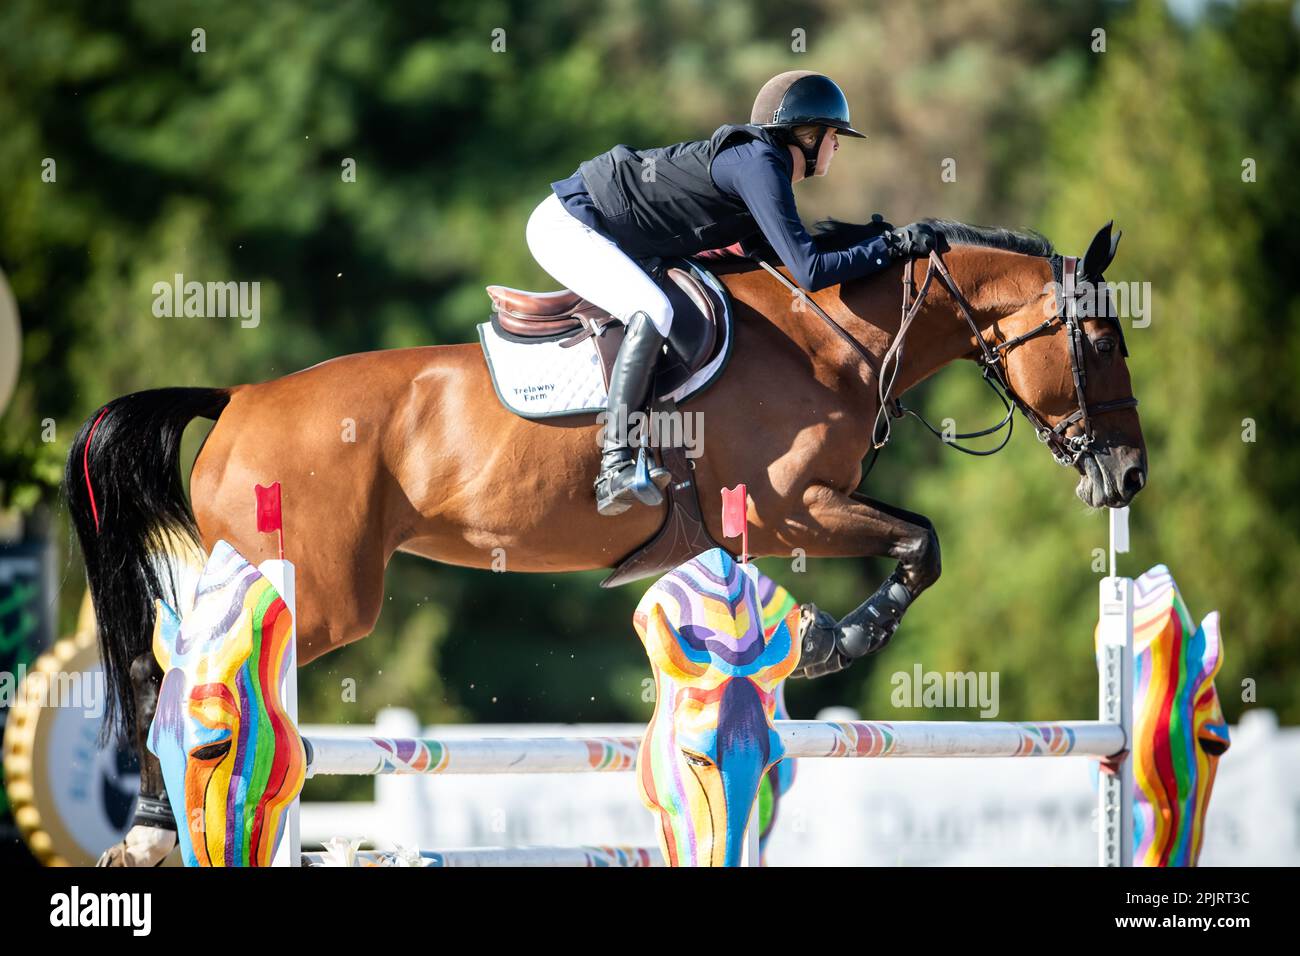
x=125, y=496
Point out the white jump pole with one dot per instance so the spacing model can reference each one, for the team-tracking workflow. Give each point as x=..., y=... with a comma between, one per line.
x=1115, y=702
x=869, y=739
x=530, y=856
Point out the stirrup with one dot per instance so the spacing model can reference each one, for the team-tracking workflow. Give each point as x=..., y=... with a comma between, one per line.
x=650, y=481
x=630, y=481
x=656, y=472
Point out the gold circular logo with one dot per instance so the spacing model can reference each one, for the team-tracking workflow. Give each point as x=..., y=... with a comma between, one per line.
x=70, y=798
x=11, y=342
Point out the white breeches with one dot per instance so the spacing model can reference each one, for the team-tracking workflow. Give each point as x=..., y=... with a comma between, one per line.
x=590, y=264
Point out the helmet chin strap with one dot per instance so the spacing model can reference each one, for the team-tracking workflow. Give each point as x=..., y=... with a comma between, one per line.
x=810, y=153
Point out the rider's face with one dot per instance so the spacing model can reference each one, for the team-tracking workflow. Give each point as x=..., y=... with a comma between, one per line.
x=830, y=143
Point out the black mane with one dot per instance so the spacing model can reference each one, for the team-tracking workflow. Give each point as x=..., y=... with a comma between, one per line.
x=832, y=234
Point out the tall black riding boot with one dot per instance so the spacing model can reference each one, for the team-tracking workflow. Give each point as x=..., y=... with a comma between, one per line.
x=629, y=388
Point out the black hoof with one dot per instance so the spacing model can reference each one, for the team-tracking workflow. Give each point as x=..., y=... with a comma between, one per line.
x=819, y=652
x=859, y=640
x=827, y=646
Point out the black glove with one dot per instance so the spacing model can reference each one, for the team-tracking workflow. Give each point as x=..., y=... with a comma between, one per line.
x=912, y=242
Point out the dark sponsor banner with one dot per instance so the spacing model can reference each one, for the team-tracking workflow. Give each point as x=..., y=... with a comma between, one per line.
x=27, y=627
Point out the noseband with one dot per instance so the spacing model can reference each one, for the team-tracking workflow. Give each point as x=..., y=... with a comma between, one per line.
x=1066, y=449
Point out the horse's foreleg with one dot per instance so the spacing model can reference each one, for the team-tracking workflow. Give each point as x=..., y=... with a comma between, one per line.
x=153, y=829
x=863, y=527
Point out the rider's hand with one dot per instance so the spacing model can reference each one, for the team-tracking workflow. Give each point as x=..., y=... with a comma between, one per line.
x=912, y=242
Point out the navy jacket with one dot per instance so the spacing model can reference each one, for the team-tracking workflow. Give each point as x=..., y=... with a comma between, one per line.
x=683, y=199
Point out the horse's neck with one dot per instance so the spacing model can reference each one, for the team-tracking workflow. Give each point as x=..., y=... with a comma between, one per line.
x=995, y=283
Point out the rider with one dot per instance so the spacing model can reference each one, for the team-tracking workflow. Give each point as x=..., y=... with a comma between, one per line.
x=627, y=206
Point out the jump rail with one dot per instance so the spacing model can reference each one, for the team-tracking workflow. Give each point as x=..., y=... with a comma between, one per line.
x=371, y=756
x=566, y=856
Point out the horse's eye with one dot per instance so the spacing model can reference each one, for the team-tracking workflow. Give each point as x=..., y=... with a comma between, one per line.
x=211, y=751
x=1105, y=345
x=696, y=759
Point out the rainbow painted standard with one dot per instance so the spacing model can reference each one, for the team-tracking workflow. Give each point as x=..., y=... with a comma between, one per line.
x=718, y=666
x=1175, y=663
x=222, y=732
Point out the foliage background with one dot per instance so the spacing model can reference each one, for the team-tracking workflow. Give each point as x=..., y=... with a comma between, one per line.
x=226, y=164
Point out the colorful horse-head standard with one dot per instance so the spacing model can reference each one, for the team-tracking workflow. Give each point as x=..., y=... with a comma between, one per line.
x=231, y=756
x=717, y=672
x=1178, y=725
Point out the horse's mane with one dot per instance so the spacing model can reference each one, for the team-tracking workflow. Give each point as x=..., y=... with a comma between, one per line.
x=833, y=234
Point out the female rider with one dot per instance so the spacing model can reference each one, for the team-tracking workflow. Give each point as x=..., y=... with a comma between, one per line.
x=627, y=205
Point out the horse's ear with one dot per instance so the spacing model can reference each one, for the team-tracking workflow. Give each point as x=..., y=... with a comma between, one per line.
x=1100, y=252
x=166, y=633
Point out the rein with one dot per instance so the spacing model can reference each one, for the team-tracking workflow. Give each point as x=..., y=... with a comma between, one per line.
x=868, y=359
x=1066, y=450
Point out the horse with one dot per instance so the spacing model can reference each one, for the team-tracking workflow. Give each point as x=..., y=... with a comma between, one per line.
x=409, y=450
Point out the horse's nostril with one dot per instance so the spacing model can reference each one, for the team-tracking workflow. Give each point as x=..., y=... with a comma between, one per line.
x=1134, y=479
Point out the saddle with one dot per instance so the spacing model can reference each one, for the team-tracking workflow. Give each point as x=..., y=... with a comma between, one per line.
x=699, y=334
x=693, y=340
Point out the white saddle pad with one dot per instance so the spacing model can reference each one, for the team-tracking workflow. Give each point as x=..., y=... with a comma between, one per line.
x=538, y=379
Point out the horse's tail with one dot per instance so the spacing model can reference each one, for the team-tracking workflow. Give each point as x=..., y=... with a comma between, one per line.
x=127, y=502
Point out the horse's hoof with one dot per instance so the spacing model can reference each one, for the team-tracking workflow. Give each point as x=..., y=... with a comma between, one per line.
x=142, y=846
x=859, y=640
x=819, y=641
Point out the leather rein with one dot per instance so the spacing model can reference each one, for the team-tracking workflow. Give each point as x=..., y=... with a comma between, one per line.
x=1066, y=450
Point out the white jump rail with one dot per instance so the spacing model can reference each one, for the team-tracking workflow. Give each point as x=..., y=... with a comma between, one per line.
x=371, y=756
x=1106, y=738
x=530, y=856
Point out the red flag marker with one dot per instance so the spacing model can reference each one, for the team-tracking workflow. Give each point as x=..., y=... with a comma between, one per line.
x=268, y=511
x=735, y=517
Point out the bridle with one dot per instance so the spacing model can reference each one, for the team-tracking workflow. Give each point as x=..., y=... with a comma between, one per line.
x=1066, y=449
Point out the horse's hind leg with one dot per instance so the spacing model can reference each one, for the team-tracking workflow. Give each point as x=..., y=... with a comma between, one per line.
x=853, y=525
x=153, y=829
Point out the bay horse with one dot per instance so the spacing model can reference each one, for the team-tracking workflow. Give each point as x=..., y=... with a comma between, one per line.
x=409, y=450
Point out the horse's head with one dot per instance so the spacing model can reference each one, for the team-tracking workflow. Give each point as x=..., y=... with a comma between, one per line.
x=231, y=757
x=1070, y=373
x=711, y=739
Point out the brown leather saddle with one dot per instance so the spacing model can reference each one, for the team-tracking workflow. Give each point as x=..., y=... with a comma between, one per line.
x=693, y=341
x=696, y=336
